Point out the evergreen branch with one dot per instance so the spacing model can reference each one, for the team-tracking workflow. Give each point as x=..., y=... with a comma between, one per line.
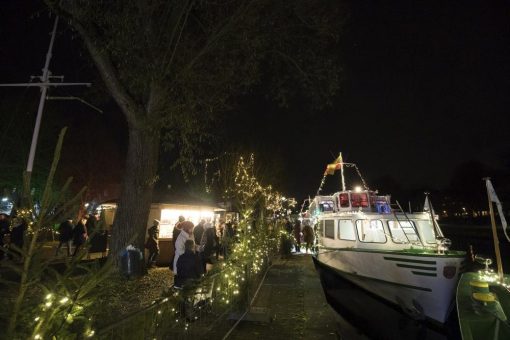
x=56, y=157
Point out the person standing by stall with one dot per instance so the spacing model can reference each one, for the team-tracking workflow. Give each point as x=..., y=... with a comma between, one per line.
x=80, y=235
x=4, y=230
x=152, y=244
x=308, y=236
x=175, y=235
x=207, y=245
x=297, y=235
x=65, y=236
x=185, y=234
x=18, y=237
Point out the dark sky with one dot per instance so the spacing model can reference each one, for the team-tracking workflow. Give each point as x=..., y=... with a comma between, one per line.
x=425, y=89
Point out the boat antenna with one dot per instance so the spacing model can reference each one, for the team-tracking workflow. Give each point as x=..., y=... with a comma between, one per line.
x=493, y=198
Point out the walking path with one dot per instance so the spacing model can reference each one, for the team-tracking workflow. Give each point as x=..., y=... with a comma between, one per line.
x=291, y=295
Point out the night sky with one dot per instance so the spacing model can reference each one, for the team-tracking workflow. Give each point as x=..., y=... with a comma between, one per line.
x=425, y=89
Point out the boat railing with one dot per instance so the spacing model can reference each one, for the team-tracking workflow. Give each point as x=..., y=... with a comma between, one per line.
x=413, y=227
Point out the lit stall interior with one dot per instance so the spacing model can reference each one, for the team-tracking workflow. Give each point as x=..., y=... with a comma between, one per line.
x=170, y=216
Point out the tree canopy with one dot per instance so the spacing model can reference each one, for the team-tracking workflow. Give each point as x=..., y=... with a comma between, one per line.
x=173, y=66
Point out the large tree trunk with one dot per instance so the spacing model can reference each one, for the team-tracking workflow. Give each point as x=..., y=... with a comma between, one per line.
x=135, y=200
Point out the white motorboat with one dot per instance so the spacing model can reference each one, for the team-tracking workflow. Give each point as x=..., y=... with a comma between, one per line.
x=400, y=257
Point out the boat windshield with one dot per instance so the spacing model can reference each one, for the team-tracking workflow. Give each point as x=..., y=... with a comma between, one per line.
x=402, y=231
x=426, y=230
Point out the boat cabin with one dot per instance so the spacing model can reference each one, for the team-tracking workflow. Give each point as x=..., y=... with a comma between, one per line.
x=348, y=200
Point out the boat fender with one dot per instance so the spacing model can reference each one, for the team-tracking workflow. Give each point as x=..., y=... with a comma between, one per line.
x=484, y=297
x=479, y=286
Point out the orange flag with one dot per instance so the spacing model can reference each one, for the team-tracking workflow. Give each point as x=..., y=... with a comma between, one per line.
x=336, y=165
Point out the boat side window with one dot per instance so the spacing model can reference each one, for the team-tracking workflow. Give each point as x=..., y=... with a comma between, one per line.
x=329, y=228
x=370, y=231
x=359, y=200
x=344, y=200
x=346, y=230
x=406, y=228
x=426, y=230
x=326, y=206
x=397, y=233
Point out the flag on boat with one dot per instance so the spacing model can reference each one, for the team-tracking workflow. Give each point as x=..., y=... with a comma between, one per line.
x=336, y=165
x=494, y=199
x=492, y=193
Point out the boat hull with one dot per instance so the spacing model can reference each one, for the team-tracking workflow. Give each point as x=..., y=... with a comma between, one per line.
x=422, y=285
x=480, y=320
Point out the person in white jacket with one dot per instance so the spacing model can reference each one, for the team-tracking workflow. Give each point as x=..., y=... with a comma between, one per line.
x=185, y=234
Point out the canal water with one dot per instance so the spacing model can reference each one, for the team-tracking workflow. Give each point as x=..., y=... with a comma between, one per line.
x=382, y=321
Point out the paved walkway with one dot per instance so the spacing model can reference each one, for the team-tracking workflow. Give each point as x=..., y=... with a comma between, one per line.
x=292, y=297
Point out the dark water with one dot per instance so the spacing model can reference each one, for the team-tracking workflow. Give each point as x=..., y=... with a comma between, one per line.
x=481, y=240
x=364, y=316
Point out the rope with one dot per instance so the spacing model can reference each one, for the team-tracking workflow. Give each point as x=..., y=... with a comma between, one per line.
x=347, y=165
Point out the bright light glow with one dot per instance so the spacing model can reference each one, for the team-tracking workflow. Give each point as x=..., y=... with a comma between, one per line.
x=86, y=205
x=4, y=199
x=170, y=216
x=64, y=300
x=357, y=189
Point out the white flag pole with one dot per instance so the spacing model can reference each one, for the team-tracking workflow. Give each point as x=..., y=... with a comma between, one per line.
x=491, y=194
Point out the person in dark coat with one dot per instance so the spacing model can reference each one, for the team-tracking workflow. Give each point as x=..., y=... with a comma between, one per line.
x=207, y=245
x=91, y=223
x=79, y=235
x=18, y=235
x=65, y=236
x=228, y=239
x=188, y=265
x=198, y=231
x=297, y=235
x=308, y=236
x=288, y=226
x=152, y=244
x=4, y=230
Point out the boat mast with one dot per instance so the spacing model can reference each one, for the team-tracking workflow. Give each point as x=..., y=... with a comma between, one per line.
x=494, y=232
x=342, y=170
x=45, y=82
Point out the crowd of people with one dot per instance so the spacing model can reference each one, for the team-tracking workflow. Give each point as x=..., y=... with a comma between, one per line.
x=197, y=246
x=13, y=231
x=70, y=235
x=194, y=247
x=301, y=233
